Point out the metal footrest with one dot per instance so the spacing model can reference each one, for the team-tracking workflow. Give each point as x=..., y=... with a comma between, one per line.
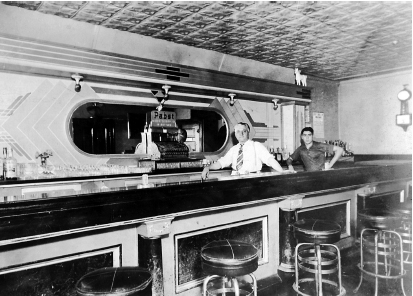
x=323, y=261
x=218, y=285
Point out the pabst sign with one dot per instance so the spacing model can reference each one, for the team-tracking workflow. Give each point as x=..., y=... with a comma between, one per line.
x=163, y=119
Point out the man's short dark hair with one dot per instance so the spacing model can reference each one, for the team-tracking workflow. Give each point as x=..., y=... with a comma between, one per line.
x=307, y=129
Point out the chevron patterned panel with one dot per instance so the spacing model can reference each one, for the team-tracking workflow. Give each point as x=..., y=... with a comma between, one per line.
x=5, y=114
x=17, y=122
x=238, y=115
x=39, y=121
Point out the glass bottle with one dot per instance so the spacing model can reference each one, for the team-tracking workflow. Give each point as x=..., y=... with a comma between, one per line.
x=272, y=151
x=279, y=156
x=326, y=161
x=11, y=167
x=2, y=168
x=285, y=153
x=4, y=162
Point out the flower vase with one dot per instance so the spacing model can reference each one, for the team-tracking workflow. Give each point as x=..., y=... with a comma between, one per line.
x=43, y=161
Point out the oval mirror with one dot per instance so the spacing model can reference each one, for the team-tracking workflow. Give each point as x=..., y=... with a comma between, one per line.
x=102, y=128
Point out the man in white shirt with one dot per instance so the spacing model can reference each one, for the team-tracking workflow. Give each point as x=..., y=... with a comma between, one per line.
x=245, y=157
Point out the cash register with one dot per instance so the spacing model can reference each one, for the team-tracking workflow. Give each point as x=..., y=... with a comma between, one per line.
x=160, y=143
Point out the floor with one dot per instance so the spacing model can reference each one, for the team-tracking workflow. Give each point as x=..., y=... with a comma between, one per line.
x=282, y=285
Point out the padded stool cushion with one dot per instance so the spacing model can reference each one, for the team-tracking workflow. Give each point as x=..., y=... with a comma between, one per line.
x=404, y=213
x=317, y=231
x=110, y=281
x=229, y=258
x=379, y=218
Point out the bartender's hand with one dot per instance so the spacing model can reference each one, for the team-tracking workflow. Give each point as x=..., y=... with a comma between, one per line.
x=291, y=168
x=205, y=173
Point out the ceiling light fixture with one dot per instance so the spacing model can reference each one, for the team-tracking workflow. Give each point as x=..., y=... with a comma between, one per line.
x=231, y=99
x=77, y=78
x=404, y=119
x=275, y=102
x=166, y=89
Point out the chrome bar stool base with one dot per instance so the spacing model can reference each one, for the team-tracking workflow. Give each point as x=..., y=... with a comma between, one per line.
x=317, y=260
x=225, y=285
x=224, y=261
x=387, y=248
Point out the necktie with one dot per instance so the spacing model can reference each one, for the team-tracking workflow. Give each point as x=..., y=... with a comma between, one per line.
x=239, y=158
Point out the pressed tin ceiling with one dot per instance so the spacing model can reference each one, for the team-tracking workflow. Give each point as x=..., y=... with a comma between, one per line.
x=334, y=40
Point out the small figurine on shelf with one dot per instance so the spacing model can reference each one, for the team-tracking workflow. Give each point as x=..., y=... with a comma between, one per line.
x=44, y=156
x=300, y=79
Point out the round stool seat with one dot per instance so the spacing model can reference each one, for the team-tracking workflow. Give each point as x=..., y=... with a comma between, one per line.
x=111, y=281
x=404, y=213
x=317, y=231
x=229, y=258
x=379, y=218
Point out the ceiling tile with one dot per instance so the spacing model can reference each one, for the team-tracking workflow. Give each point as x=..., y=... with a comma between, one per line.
x=330, y=39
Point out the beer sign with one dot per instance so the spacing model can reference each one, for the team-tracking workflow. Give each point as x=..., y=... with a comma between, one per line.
x=162, y=119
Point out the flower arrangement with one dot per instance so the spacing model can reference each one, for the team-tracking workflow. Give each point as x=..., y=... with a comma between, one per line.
x=44, y=155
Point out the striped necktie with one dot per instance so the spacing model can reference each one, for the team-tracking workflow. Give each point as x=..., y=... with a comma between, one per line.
x=239, y=158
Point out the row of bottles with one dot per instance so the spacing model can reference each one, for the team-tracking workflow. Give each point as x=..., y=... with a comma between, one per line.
x=9, y=165
x=347, y=151
x=280, y=155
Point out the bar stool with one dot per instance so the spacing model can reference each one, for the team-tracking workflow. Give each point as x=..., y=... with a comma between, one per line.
x=226, y=260
x=405, y=231
x=316, y=254
x=114, y=281
x=382, y=247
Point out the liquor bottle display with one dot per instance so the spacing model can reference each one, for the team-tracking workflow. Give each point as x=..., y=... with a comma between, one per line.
x=10, y=166
x=347, y=151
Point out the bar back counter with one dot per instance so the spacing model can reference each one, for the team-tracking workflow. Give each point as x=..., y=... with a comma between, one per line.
x=53, y=231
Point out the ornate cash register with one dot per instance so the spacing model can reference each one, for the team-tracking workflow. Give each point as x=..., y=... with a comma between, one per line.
x=162, y=143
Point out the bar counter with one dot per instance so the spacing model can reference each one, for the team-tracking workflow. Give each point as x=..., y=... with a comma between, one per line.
x=113, y=211
x=179, y=196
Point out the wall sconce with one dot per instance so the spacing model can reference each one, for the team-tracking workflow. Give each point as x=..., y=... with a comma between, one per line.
x=404, y=119
x=166, y=89
x=231, y=99
x=275, y=102
x=77, y=78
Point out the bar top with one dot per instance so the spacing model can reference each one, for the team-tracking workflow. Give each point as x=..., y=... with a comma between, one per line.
x=122, y=206
x=135, y=181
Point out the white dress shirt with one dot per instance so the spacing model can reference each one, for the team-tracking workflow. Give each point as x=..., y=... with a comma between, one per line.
x=254, y=155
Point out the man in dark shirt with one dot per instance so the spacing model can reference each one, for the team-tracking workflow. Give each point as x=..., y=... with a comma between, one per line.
x=312, y=153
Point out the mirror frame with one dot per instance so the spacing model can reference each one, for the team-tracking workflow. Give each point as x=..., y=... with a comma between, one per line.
x=69, y=127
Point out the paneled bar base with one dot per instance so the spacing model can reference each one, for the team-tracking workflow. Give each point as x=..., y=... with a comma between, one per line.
x=126, y=219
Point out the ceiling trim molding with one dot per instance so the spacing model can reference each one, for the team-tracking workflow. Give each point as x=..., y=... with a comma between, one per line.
x=30, y=56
